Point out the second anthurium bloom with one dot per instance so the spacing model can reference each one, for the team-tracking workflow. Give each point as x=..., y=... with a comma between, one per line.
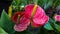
x=21, y=23
x=57, y=18
x=33, y=14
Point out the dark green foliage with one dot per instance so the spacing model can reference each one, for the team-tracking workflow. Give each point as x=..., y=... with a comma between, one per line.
x=6, y=23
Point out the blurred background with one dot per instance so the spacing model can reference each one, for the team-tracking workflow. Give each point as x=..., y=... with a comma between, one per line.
x=51, y=8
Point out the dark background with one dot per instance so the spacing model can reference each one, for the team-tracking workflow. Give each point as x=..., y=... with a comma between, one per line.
x=4, y=4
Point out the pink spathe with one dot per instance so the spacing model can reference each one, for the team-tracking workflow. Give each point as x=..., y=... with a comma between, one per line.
x=23, y=24
x=57, y=17
x=40, y=18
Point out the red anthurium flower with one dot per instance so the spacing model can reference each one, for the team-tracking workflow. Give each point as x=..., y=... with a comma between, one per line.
x=39, y=19
x=22, y=23
x=57, y=17
x=34, y=14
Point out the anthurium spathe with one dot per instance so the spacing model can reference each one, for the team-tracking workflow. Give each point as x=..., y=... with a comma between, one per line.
x=15, y=16
x=21, y=23
x=57, y=17
x=36, y=15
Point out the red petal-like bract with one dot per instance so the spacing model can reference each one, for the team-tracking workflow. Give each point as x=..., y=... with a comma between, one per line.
x=15, y=16
x=40, y=18
x=20, y=27
x=24, y=22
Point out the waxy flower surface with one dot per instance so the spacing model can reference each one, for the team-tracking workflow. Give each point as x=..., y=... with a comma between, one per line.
x=23, y=24
x=39, y=18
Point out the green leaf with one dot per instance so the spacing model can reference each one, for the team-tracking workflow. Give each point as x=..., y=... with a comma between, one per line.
x=49, y=4
x=51, y=20
x=2, y=31
x=6, y=23
x=48, y=26
x=57, y=27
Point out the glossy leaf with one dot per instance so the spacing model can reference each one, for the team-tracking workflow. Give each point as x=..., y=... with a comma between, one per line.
x=48, y=26
x=6, y=23
x=57, y=27
x=2, y=31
